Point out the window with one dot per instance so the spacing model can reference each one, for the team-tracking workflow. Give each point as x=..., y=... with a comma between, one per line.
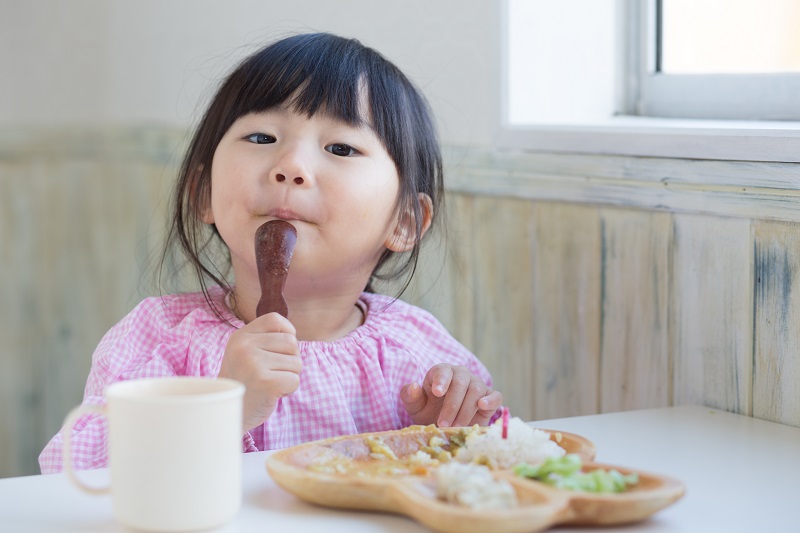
x=701, y=79
x=731, y=59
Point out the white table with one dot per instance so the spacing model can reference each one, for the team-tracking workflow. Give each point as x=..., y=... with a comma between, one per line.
x=742, y=474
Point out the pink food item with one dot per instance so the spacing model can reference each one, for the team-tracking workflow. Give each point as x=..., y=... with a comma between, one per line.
x=505, y=422
x=275, y=241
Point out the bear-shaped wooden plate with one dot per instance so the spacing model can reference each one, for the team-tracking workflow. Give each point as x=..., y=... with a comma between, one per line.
x=381, y=472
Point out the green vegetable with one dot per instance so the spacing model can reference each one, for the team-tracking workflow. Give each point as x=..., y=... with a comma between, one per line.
x=565, y=473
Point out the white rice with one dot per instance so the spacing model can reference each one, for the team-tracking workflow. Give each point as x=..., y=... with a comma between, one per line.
x=473, y=486
x=524, y=444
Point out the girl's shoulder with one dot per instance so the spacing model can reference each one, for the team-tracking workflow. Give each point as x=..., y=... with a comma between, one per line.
x=402, y=328
x=176, y=334
x=390, y=315
x=180, y=311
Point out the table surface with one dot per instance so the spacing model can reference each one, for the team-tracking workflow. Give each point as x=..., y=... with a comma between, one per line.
x=741, y=474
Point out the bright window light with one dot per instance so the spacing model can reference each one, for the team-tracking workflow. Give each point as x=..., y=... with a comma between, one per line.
x=730, y=36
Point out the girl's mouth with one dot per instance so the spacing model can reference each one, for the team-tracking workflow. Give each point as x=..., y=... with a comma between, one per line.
x=285, y=214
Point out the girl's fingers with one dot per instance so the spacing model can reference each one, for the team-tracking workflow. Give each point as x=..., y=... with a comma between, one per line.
x=283, y=343
x=284, y=383
x=456, y=393
x=487, y=407
x=258, y=404
x=278, y=362
x=438, y=379
x=477, y=390
x=414, y=399
x=490, y=403
x=271, y=323
x=481, y=419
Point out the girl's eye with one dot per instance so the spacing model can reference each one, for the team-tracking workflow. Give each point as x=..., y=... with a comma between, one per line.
x=260, y=138
x=341, y=149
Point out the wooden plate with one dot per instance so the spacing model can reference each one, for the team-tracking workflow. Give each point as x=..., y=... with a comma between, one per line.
x=540, y=506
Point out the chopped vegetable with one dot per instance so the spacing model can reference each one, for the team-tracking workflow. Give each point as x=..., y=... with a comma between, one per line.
x=565, y=473
x=379, y=449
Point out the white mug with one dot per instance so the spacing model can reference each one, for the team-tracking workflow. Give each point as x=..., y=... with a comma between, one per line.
x=175, y=451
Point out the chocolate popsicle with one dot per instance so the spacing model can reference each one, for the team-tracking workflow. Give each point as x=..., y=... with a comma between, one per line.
x=275, y=241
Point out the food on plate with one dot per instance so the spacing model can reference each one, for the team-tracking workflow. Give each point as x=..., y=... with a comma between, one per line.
x=524, y=444
x=473, y=486
x=274, y=242
x=566, y=473
x=428, y=447
x=411, y=451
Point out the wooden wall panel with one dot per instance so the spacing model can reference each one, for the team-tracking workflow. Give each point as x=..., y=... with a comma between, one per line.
x=711, y=312
x=20, y=369
x=566, y=317
x=756, y=190
x=776, y=371
x=75, y=237
x=635, y=366
x=459, y=268
x=504, y=304
x=443, y=282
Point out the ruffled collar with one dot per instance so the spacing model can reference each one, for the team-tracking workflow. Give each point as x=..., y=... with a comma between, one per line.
x=375, y=308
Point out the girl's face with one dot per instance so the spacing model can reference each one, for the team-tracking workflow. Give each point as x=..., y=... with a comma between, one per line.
x=334, y=182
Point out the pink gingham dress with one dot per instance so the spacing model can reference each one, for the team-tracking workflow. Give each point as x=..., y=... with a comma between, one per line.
x=347, y=386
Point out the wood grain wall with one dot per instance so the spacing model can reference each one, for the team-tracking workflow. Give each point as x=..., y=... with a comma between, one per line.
x=81, y=216
x=585, y=283
x=601, y=284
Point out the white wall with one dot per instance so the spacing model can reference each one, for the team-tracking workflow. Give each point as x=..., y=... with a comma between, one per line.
x=154, y=61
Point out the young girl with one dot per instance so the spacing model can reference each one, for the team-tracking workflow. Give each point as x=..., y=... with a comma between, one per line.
x=328, y=135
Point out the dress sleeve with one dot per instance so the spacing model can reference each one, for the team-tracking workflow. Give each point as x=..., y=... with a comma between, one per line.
x=248, y=443
x=139, y=346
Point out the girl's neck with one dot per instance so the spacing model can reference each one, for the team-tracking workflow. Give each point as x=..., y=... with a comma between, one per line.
x=321, y=319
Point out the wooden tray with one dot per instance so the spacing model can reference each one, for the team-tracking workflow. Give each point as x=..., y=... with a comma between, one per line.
x=540, y=506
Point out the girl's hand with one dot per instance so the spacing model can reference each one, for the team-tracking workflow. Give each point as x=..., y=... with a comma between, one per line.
x=450, y=396
x=265, y=357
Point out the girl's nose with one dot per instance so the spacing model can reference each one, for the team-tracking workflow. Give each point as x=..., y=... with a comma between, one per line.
x=281, y=178
x=291, y=167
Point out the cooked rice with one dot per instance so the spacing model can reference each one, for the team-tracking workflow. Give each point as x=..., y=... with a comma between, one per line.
x=524, y=444
x=473, y=486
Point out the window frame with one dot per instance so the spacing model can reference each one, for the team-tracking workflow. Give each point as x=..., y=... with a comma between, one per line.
x=701, y=96
x=634, y=135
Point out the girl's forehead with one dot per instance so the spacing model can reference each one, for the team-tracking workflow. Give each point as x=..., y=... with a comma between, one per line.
x=288, y=114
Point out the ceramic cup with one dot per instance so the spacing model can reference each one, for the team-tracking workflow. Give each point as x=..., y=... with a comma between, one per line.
x=175, y=451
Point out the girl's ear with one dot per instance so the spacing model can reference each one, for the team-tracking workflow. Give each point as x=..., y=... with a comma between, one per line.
x=203, y=205
x=404, y=236
x=205, y=212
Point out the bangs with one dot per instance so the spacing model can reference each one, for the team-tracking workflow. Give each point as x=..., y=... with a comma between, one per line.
x=310, y=74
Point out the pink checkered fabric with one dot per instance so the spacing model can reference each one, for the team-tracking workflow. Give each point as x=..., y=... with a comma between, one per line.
x=347, y=386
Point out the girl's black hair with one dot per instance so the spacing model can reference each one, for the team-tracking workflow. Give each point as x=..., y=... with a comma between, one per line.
x=312, y=73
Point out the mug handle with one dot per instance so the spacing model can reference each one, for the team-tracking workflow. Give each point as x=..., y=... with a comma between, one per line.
x=73, y=417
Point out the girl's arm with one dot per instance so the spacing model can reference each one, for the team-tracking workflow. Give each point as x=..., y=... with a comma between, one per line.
x=153, y=340
x=90, y=433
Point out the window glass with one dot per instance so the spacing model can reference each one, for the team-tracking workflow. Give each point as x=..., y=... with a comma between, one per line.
x=729, y=36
